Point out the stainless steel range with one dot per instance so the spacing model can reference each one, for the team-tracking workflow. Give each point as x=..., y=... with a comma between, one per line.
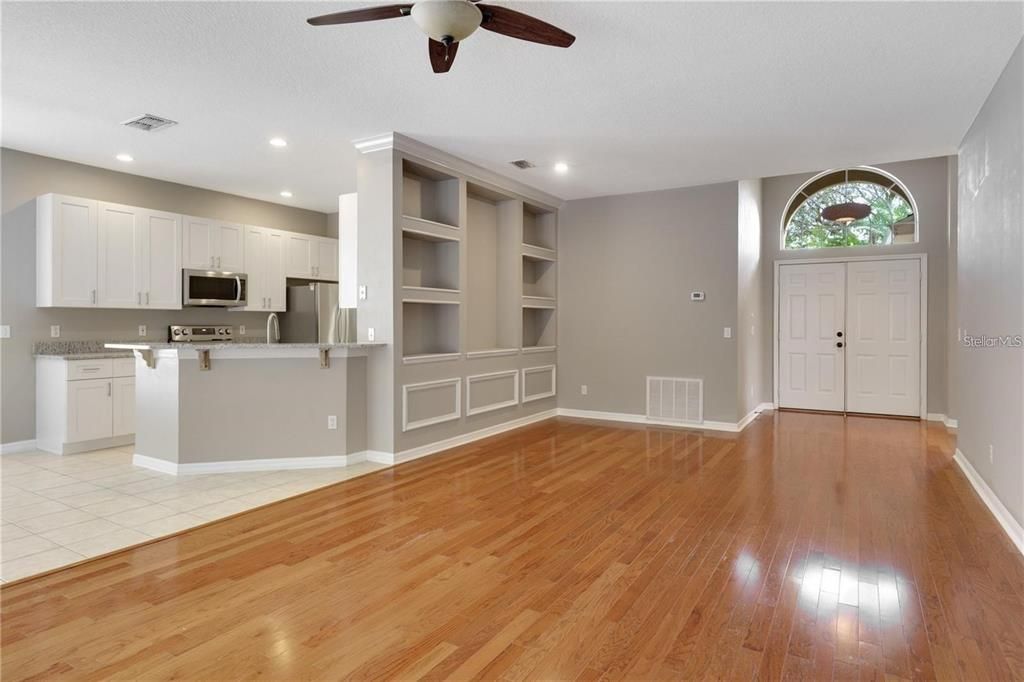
x=188, y=333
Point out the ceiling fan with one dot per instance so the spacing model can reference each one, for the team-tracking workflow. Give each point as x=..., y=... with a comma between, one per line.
x=448, y=22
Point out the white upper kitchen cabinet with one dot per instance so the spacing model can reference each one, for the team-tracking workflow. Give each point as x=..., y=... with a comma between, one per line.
x=67, y=243
x=213, y=244
x=118, y=284
x=159, y=260
x=311, y=257
x=265, y=266
x=139, y=258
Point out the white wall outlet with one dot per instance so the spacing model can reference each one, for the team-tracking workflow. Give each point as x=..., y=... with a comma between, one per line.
x=696, y=295
x=332, y=422
x=991, y=454
x=583, y=389
x=54, y=331
x=370, y=333
x=5, y=331
x=362, y=292
x=727, y=333
x=142, y=330
x=241, y=330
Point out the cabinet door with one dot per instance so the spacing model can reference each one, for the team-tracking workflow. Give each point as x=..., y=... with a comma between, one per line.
x=90, y=409
x=197, y=251
x=327, y=259
x=274, y=285
x=123, y=406
x=230, y=252
x=300, y=254
x=118, y=284
x=75, y=251
x=254, y=243
x=159, y=260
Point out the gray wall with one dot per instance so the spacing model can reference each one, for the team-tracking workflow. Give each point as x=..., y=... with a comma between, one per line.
x=26, y=176
x=626, y=266
x=990, y=274
x=927, y=181
x=750, y=332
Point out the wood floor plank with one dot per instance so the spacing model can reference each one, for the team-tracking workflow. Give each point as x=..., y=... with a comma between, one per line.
x=808, y=547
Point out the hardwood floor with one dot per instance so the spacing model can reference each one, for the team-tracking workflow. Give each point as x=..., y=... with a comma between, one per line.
x=809, y=546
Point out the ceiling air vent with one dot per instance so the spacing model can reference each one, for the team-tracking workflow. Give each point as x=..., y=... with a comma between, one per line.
x=148, y=123
x=522, y=164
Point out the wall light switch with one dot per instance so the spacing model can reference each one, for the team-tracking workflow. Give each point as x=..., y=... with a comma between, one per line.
x=5, y=331
x=142, y=330
x=583, y=389
x=362, y=292
x=332, y=422
x=370, y=333
x=54, y=331
x=727, y=333
x=241, y=330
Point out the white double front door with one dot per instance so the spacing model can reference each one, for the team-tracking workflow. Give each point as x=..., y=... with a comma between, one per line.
x=850, y=336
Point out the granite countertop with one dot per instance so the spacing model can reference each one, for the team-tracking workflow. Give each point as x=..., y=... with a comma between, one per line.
x=147, y=345
x=77, y=350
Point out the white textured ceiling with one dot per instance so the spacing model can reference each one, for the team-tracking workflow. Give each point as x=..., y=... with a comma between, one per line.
x=652, y=95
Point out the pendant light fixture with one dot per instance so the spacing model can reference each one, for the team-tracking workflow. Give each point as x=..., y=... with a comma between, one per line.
x=847, y=212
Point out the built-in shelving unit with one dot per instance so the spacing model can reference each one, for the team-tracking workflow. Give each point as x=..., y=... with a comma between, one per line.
x=539, y=228
x=539, y=278
x=429, y=328
x=539, y=328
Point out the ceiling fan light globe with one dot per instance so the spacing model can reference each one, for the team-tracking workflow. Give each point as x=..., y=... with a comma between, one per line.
x=447, y=20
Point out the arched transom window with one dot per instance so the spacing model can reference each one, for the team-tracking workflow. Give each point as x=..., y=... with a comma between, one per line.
x=849, y=207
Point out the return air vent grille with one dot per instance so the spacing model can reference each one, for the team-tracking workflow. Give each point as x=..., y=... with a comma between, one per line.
x=677, y=400
x=149, y=123
x=523, y=164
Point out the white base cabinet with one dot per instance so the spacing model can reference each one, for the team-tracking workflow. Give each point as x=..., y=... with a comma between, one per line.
x=84, y=404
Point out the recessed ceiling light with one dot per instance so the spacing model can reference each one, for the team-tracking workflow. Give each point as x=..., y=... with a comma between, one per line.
x=125, y=157
x=286, y=194
x=278, y=142
x=561, y=167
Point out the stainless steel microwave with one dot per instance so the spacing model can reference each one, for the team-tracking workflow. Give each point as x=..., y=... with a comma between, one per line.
x=214, y=289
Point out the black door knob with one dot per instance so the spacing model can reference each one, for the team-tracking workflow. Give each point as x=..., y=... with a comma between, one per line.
x=839, y=344
x=839, y=334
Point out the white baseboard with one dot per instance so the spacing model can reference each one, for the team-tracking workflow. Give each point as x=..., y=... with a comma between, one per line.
x=17, y=446
x=994, y=504
x=730, y=427
x=939, y=417
x=273, y=464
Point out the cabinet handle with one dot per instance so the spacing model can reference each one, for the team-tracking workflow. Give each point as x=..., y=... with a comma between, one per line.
x=218, y=261
x=108, y=388
x=147, y=298
x=93, y=295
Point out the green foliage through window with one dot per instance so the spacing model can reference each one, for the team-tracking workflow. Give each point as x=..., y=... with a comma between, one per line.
x=891, y=218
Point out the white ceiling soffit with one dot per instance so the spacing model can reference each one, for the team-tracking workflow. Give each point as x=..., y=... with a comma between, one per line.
x=652, y=95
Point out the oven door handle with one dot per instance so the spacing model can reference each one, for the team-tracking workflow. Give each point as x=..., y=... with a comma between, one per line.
x=238, y=289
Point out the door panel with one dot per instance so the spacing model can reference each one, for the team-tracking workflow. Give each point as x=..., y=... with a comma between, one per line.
x=230, y=252
x=198, y=243
x=123, y=406
x=118, y=243
x=884, y=340
x=76, y=242
x=159, y=260
x=90, y=413
x=811, y=301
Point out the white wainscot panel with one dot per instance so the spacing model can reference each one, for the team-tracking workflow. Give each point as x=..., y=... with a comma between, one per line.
x=431, y=402
x=538, y=382
x=492, y=391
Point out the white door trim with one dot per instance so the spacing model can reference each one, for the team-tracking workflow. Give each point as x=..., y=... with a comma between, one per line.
x=922, y=257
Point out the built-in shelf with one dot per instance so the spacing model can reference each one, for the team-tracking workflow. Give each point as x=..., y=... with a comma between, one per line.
x=492, y=269
x=539, y=278
x=429, y=264
x=430, y=295
x=429, y=194
x=539, y=349
x=429, y=357
x=538, y=327
x=430, y=328
x=492, y=352
x=539, y=228
x=537, y=253
x=539, y=302
x=428, y=230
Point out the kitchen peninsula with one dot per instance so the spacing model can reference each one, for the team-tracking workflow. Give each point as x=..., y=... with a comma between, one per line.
x=213, y=407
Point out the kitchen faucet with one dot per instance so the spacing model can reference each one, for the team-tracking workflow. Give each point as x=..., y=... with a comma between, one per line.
x=272, y=317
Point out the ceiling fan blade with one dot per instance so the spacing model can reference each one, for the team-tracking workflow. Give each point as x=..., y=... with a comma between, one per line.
x=353, y=16
x=518, y=25
x=441, y=55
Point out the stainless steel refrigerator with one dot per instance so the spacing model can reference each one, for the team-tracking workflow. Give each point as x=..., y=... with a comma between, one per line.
x=314, y=316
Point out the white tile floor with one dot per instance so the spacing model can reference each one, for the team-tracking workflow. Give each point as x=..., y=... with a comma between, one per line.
x=57, y=510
